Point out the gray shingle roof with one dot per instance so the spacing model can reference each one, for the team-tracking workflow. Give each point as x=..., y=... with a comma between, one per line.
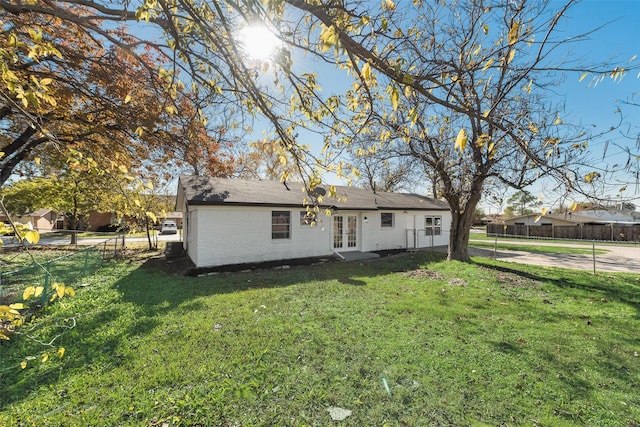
x=202, y=190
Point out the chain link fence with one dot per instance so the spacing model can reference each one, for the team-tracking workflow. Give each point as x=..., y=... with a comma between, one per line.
x=69, y=269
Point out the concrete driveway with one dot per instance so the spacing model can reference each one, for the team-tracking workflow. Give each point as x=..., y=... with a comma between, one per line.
x=621, y=259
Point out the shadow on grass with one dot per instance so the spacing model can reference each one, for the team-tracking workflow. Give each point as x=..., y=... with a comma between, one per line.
x=149, y=287
x=96, y=341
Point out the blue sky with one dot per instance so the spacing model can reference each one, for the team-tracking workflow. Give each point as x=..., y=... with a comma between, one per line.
x=596, y=104
x=586, y=103
x=592, y=104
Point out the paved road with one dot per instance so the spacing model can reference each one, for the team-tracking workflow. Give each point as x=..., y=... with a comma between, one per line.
x=617, y=259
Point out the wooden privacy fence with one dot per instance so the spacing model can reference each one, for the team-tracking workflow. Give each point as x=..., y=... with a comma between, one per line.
x=607, y=232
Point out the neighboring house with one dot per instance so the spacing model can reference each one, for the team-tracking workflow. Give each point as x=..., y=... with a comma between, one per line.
x=42, y=220
x=495, y=218
x=574, y=218
x=229, y=221
x=537, y=219
x=570, y=225
x=610, y=215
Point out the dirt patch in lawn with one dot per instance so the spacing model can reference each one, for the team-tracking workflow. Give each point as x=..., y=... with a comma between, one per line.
x=422, y=273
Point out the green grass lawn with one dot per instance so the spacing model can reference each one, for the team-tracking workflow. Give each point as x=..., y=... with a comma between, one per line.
x=458, y=344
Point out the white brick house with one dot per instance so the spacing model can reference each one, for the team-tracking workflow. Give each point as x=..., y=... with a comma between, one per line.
x=230, y=221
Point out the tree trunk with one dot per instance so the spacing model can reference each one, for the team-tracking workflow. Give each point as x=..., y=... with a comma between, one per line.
x=461, y=223
x=148, y=229
x=459, y=236
x=73, y=226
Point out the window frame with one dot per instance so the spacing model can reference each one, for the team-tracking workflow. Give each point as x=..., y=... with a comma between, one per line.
x=277, y=234
x=386, y=223
x=435, y=229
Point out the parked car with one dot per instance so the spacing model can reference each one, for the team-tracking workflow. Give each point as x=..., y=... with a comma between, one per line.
x=168, y=227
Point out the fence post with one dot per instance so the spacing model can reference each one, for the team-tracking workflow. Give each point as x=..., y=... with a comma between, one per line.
x=495, y=248
x=86, y=262
x=593, y=250
x=47, y=283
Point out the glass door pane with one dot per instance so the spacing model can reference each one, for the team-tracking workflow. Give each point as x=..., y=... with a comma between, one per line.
x=352, y=227
x=337, y=232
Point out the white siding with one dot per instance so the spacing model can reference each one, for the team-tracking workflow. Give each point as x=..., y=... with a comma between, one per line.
x=238, y=235
x=401, y=235
x=223, y=235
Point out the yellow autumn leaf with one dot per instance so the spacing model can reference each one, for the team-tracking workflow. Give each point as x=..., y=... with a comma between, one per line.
x=537, y=218
x=32, y=236
x=366, y=71
x=485, y=29
x=46, y=81
x=37, y=160
x=328, y=37
x=490, y=149
x=60, y=352
x=29, y=292
x=461, y=140
x=68, y=290
x=45, y=357
x=123, y=169
x=151, y=216
x=514, y=33
x=487, y=64
x=583, y=76
x=17, y=306
x=395, y=98
x=573, y=206
x=23, y=364
x=511, y=55
x=59, y=288
x=127, y=99
x=543, y=211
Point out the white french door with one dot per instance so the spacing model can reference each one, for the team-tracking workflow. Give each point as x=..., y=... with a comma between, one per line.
x=345, y=232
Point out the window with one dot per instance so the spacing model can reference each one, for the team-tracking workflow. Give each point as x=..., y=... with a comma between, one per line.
x=280, y=224
x=386, y=219
x=432, y=225
x=307, y=218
